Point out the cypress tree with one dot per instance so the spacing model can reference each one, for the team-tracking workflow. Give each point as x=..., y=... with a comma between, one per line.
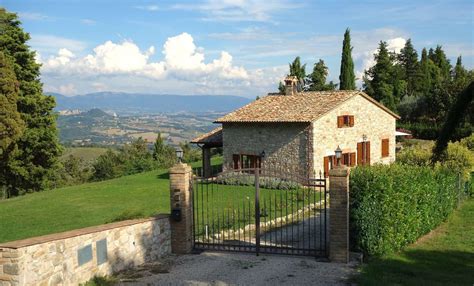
x=38, y=147
x=347, y=77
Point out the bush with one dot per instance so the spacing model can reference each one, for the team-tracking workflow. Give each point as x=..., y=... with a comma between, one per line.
x=107, y=166
x=393, y=205
x=468, y=142
x=459, y=159
x=415, y=155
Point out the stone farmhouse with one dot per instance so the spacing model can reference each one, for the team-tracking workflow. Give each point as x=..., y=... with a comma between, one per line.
x=303, y=129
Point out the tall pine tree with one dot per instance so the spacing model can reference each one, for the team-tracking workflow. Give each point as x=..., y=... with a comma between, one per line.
x=408, y=59
x=438, y=56
x=383, y=81
x=38, y=147
x=318, y=77
x=347, y=77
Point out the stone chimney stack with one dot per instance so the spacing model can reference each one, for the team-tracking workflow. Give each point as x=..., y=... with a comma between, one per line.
x=291, y=83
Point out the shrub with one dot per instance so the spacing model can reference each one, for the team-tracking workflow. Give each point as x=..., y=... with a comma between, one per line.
x=459, y=159
x=415, y=155
x=107, y=166
x=393, y=205
x=468, y=142
x=101, y=281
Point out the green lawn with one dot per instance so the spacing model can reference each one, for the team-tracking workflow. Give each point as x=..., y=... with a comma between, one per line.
x=444, y=257
x=229, y=207
x=85, y=205
x=141, y=195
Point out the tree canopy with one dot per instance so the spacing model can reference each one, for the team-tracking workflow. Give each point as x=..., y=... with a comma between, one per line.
x=38, y=147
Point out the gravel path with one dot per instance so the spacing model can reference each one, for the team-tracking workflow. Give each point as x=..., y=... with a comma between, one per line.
x=224, y=268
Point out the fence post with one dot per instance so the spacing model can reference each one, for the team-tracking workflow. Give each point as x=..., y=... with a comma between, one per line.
x=339, y=214
x=181, y=208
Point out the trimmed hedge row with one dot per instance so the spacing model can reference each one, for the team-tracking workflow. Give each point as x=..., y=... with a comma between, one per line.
x=393, y=205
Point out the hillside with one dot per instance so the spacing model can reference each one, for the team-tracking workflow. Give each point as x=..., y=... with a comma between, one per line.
x=130, y=103
x=85, y=205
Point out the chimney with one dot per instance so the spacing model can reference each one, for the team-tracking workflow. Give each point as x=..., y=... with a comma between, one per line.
x=291, y=85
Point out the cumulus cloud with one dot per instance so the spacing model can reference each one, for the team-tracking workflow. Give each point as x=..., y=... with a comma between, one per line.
x=182, y=60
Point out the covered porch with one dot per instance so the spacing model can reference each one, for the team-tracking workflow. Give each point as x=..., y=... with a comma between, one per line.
x=206, y=142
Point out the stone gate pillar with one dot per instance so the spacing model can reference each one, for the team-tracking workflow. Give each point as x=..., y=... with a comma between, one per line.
x=339, y=214
x=181, y=219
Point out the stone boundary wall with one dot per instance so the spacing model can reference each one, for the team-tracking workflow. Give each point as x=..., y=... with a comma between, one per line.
x=74, y=257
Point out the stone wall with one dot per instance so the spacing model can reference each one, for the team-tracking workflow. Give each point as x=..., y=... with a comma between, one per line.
x=74, y=257
x=368, y=119
x=283, y=143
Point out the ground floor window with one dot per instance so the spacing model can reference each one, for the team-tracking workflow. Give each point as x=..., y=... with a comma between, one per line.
x=244, y=161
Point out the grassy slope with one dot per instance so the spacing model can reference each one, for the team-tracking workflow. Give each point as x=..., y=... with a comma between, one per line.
x=85, y=153
x=444, y=257
x=84, y=205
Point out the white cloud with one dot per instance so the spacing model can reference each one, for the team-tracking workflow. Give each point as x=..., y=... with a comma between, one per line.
x=32, y=16
x=182, y=61
x=48, y=44
x=99, y=86
x=148, y=7
x=238, y=10
x=367, y=58
x=89, y=22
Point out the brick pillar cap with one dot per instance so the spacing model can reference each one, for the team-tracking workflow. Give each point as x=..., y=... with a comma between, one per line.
x=180, y=168
x=340, y=171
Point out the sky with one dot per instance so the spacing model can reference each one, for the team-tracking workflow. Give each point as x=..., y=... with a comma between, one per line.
x=230, y=47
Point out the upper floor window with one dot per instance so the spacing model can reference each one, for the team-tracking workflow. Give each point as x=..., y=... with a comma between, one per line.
x=345, y=121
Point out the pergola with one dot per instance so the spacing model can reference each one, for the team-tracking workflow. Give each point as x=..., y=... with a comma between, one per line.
x=207, y=141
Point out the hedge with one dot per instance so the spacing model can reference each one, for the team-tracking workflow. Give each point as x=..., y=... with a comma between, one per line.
x=429, y=131
x=393, y=205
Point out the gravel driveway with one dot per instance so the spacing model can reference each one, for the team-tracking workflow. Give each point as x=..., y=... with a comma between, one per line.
x=224, y=268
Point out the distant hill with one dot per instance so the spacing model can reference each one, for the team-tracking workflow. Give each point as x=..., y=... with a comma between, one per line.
x=150, y=103
x=95, y=112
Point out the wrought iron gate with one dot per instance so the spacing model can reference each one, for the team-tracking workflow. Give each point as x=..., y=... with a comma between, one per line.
x=261, y=210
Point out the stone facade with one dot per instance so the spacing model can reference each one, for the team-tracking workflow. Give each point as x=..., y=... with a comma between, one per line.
x=305, y=144
x=55, y=259
x=369, y=119
x=283, y=143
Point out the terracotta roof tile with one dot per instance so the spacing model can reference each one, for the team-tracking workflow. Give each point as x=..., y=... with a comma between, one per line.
x=302, y=107
x=212, y=137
